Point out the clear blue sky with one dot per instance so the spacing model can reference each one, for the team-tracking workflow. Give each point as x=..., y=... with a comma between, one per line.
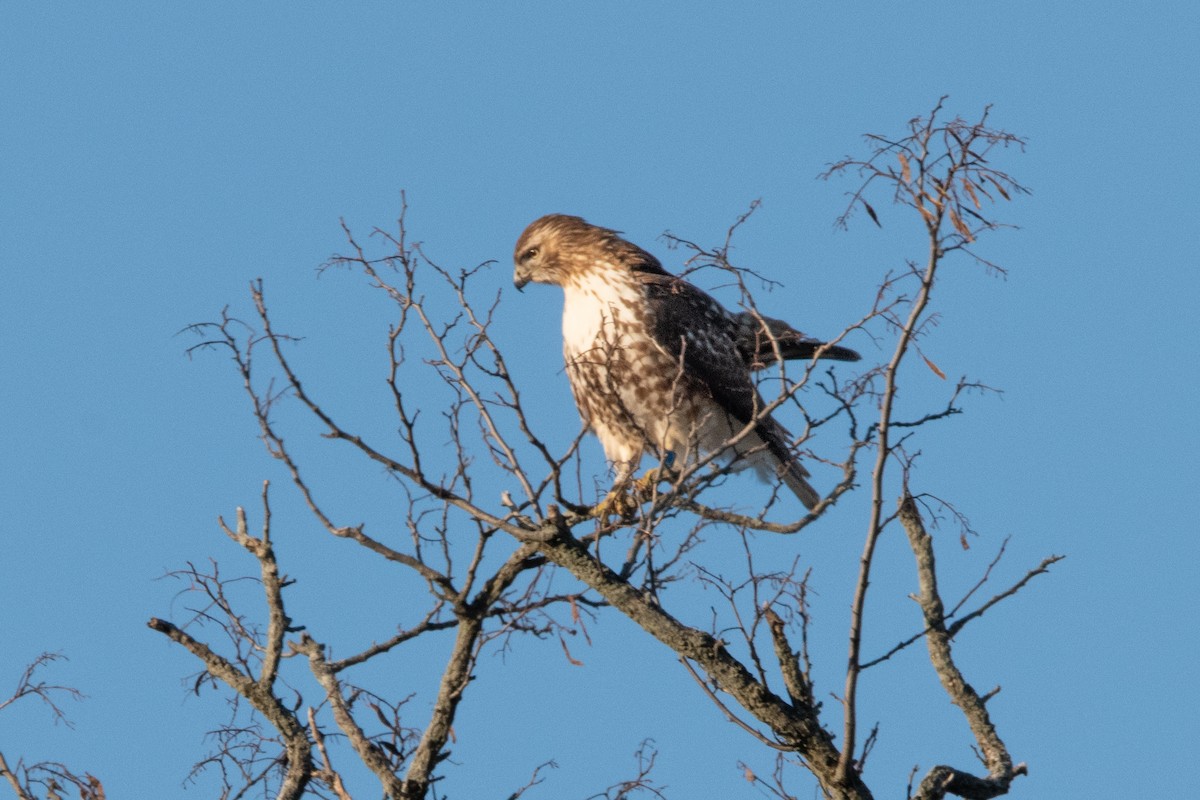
x=157, y=157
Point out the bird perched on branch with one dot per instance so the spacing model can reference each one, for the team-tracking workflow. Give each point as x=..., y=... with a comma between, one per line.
x=657, y=365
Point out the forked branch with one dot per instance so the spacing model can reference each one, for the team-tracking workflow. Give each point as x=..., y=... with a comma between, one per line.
x=943, y=780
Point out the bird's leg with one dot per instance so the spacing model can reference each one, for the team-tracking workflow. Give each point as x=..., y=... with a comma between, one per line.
x=645, y=486
x=628, y=493
x=618, y=502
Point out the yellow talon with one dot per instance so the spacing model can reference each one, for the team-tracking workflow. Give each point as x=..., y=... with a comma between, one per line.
x=618, y=503
x=645, y=486
x=625, y=499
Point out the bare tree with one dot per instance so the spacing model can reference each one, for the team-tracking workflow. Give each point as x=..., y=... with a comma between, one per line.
x=48, y=779
x=484, y=558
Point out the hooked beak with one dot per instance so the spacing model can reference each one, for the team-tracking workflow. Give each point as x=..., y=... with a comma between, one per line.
x=520, y=279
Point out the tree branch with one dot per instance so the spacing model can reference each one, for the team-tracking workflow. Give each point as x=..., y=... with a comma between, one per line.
x=795, y=727
x=295, y=738
x=942, y=780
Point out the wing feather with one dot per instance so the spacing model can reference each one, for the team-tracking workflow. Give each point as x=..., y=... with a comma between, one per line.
x=688, y=323
x=685, y=321
x=758, y=338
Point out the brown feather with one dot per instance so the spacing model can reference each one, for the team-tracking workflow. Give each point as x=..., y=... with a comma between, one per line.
x=655, y=362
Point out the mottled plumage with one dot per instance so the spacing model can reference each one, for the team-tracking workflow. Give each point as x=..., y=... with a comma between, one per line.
x=654, y=362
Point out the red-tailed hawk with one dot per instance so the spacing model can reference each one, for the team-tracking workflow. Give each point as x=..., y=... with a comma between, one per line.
x=655, y=363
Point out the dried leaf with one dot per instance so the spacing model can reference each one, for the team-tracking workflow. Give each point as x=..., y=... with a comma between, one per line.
x=929, y=220
x=970, y=187
x=980, y=188
x=749, y=775
x=905, y=171
x=379, y=715
x=961, y=226
x=933, y=367
x=573, y=661
x=870, y=212
x=1000, y=189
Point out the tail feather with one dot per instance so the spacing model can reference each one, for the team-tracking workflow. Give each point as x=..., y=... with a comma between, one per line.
x=794, y=477
x=787, y=466
x=761, y=339
x=805, y=349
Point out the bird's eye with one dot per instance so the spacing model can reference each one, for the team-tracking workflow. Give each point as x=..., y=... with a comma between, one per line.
x=530, y=253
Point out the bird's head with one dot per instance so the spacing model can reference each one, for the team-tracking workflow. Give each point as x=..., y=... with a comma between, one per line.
x=561, y=249
x=544, y=251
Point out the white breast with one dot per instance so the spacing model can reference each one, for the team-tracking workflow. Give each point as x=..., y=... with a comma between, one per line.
x=593, y=305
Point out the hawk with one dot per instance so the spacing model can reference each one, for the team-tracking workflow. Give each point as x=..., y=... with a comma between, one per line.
x=657, y=365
